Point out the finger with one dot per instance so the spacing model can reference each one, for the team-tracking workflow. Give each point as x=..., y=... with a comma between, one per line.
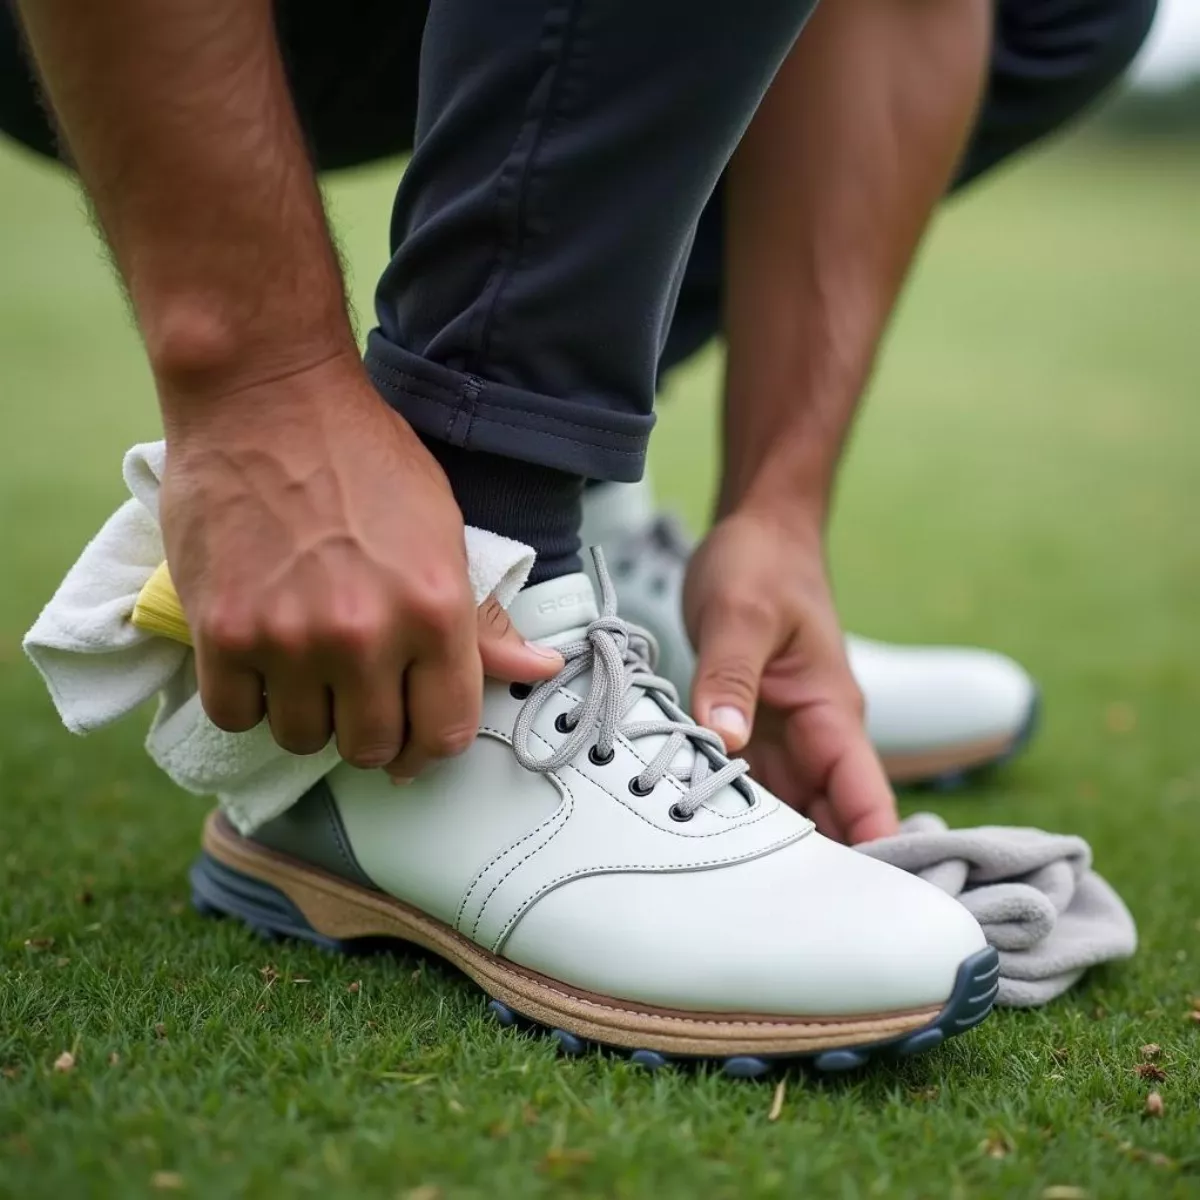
x=821, y=814
x=769, y=767
x=443, y=697
x=410, y=760
x=299, y=711
x=368, y=716
x=734, y=644
x=231, y=696
x=862, y=800
x=506, y=654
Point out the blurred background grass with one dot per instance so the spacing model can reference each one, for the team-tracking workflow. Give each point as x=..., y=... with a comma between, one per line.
x=1025, y=476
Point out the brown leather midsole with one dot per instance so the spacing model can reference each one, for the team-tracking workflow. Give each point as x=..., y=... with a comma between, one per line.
x=928, y=764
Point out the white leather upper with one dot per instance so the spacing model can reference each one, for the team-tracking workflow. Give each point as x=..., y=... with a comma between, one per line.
x=483, y=838
x=743, y=908
x=810, y=929
x=929, y=697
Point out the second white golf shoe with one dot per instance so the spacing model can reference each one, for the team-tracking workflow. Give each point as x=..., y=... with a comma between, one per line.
x=934, y=713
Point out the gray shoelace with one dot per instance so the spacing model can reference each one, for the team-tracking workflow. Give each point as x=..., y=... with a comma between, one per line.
x=621, y=657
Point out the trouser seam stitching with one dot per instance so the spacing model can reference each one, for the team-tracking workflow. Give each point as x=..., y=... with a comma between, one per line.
x=406, y=382
x=515, y=230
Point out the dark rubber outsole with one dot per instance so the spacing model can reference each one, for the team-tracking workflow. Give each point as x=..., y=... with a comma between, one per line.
x=953, y=781
x=218, y=890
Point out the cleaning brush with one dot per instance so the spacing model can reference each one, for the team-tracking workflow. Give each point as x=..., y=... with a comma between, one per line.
x=158, y=610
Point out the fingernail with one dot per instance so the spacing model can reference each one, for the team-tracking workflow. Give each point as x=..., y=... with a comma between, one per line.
x=728, y=720
x=400, y=780
x=542, y=651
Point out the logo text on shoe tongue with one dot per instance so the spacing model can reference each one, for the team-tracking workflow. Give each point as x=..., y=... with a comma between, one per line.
x=561, y=603
x=555, y=607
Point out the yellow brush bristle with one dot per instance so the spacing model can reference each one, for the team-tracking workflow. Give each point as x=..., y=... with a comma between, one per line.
x=158, y=609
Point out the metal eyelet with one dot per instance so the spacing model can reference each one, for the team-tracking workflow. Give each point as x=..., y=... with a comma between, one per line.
x=519, y=691
x=563, y=723
x=636, y=788
x=595, y=759
x=678, y=814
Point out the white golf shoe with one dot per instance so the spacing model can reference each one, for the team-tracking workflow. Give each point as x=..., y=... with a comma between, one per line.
x=599, y=866
x=934, y=713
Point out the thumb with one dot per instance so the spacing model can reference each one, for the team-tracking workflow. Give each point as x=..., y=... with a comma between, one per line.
x=733, y=648
x=506, y=654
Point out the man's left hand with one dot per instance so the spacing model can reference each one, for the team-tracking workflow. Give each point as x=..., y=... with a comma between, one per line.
x=772, y=675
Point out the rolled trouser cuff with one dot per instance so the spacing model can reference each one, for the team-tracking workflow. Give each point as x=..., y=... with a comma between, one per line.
x=479, y=414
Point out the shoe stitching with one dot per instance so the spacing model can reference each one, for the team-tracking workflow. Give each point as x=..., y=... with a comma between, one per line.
x=691, y=837
x=567, y=805
x=640, y=868
x=568, y=809
x=827, y=1025
x=643, y=867
x=542, y=981
x=536, y=850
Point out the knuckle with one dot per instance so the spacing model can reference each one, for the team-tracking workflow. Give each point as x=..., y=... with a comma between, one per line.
x=452, y=741
x=493, y=618
x=740, y=608
x=440, y=605
x=229, y=629
x=357, y=632
x=732, y=678
x=286, y=631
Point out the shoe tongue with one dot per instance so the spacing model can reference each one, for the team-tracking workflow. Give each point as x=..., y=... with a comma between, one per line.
x=557, y=610
x=560, y=610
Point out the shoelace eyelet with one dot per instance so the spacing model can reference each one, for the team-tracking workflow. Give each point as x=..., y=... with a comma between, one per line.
x=519, y=691
x=563, y=723
x=621, y=657
x=636, y=788
x=677, y=814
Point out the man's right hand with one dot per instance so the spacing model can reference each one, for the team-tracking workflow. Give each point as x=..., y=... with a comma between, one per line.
x=319, y=557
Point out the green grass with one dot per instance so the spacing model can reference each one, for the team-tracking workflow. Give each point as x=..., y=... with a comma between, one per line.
x=1025, y=477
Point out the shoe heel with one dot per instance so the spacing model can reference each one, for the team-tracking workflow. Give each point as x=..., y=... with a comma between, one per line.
x=218, y=890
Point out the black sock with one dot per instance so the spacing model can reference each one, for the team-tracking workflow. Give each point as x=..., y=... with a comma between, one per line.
x=538, y=506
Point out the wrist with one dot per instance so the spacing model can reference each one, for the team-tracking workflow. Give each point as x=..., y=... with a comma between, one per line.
x=259, y=303
x=266, y=395
x=790, y=499
x=201, y=360
x=795, y=532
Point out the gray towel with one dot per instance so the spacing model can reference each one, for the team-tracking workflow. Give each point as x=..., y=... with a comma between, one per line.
x=1039, y=902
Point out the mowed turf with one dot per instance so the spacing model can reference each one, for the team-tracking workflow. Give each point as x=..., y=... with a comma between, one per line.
x=1026, y=476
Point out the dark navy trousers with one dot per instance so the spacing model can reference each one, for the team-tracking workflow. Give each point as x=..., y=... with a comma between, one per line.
x=557, y=237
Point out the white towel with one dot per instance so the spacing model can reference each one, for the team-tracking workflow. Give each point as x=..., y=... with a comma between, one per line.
x=1039, y=902
x=99, y=667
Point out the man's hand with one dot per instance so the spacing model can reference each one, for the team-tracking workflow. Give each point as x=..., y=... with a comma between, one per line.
x=772, y=676
x=319, y=557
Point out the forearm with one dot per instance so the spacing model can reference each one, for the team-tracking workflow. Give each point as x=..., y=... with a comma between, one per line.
x=179, y=120
x=827, y=197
